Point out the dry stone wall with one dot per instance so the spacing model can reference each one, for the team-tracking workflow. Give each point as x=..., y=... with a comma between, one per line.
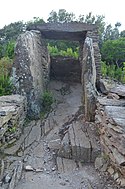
x=31, y=69
x=110, y=119
x=12, y=115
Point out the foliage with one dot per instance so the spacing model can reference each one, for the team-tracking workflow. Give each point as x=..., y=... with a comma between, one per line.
x=5, y=83
x=47, y=101
x=113, y=72
x=91, y=19
x=9, y=49
x=111, y=33
x=11, y=32
x=61, y=16
x=113, y=51
x=54, y=51
x=36, y=20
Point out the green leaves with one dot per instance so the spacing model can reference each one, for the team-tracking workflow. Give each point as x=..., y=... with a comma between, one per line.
x=5, y=83
x=113, y=51
x=47, y=101
x=54, y=51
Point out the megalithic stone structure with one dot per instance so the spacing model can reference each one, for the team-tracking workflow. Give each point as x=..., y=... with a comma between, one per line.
x=31, y=68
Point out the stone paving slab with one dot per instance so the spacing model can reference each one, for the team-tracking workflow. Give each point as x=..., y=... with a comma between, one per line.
x=79, y=143
x=66, y=165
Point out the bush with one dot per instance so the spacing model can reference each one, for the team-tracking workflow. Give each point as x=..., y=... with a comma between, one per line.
x=113, y=72
x=54, y=51
x=47, y=101
x=5, y=70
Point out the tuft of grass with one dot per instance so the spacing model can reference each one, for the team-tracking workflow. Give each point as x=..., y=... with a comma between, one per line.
x=47, y=101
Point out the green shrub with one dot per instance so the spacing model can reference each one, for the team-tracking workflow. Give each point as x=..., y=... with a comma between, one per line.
x=113, y=72
x=5, y=70
x=54, y=51
x=47, y=101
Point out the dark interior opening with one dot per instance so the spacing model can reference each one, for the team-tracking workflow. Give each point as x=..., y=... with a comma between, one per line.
x=65, y=69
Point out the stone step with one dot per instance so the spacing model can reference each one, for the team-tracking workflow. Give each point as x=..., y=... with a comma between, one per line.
x=79, y=144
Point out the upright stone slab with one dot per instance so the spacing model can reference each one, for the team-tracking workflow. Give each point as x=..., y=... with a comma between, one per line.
x=89, y=79
x=31, y=69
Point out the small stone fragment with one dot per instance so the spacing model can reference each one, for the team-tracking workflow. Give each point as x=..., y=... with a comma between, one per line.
x=7, y=178
x=29, y=168
x=110, y=170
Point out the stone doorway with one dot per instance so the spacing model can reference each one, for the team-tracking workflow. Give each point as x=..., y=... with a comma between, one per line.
x=31, y=68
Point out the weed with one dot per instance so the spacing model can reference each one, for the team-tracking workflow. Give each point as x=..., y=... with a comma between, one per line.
x=47, y=101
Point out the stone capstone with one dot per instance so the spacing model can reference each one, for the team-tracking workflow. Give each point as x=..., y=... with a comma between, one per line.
x=64, y=31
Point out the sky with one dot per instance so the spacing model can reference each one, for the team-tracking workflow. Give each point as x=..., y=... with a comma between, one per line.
x=25, y=10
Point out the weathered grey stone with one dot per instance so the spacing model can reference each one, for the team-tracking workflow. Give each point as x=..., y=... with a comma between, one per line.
x=64, y=31
x=119, y=89
x=34, y=135
x=13, y=180
x=54, y=144
x=89, y=79
x=78, y=144
x=99, y=162
x=111, y=170
x=2, y=166
x=117, y=114
x=113, y=96
x=110, y=102
x=66, y=165
x=7, y=178
x=31, y=69
x=29, y=168
x=101, y=87
x=19, y=171
x=65, y=149
x=110, y=118
x=11, y=122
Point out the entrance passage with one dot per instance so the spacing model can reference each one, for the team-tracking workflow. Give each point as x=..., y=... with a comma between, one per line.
x=65, y=69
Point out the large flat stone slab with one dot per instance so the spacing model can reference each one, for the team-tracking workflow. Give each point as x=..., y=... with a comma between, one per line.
x=120, y=90
x=111, y=102
x=64, y=31
x=79, y=144
x=66, y=165
x=117, y=114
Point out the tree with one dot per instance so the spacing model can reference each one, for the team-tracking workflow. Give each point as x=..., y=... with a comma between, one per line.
x=107, y=32
x=11, y=32
x=98, y=20
x=112, y=33
x=36, y=20
x=122, y=34
x=113, y=51
x=61, y=16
